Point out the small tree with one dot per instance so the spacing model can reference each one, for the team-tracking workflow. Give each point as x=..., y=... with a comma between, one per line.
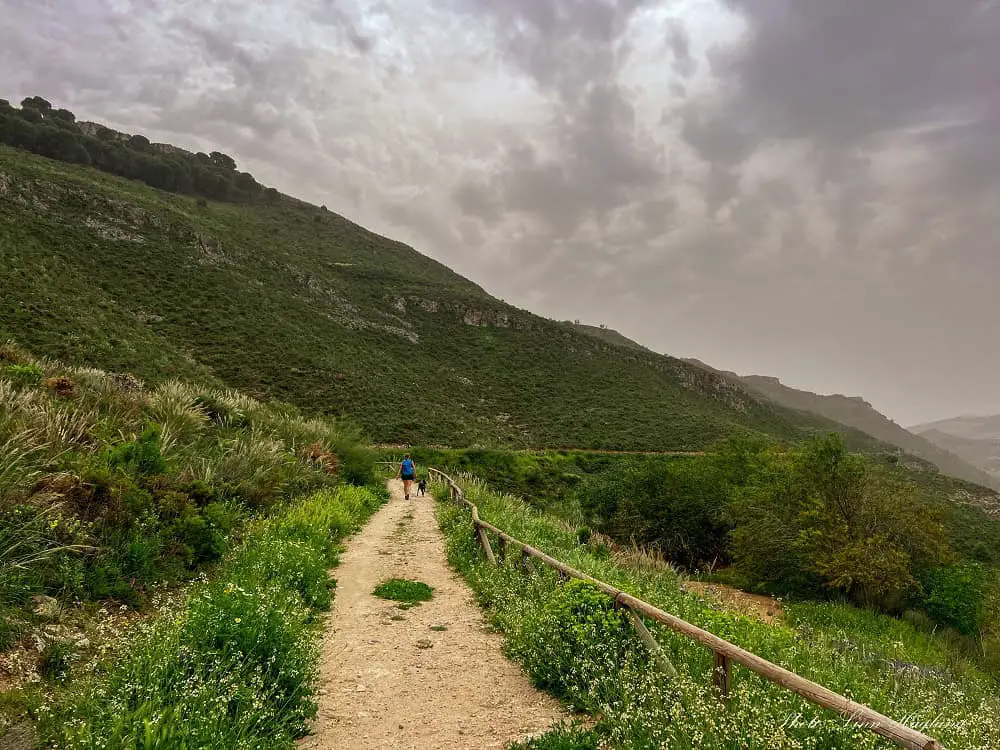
x=956, y=595
x=834, y=518
x=36, y=103
x=15, y=131
x=64, y=115
x=222, y=161
x=64, y=145
x=30, y=115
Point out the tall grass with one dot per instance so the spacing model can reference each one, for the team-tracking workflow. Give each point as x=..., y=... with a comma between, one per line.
x=143, y=486
x=235, y=665
x=173, y=405
x=29, y=541
x=19, y=462
x=573, y=646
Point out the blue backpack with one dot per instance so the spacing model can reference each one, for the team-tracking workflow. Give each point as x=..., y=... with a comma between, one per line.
x=408, y=466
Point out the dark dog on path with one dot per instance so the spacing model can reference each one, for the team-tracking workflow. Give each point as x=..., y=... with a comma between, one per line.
x=422, y=486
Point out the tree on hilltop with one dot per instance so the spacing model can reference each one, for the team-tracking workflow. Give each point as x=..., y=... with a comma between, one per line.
x=223, y=161
x=36, y=103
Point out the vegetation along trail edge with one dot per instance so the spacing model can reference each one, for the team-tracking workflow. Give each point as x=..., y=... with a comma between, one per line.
x=725, y=651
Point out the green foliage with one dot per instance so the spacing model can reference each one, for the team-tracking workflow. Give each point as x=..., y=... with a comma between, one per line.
x=955, y=595
x=55, y=133
x=687, y=506
x=107, y=489
x=24, y=375
x=824, y=517
x=562, y=737
x=142, y=456
x=401, y=590
x=55, y=658
x=571, y=642
x=924, y=678
x=33, y=541
x=678, y=507
x=203, y=532
x=234, y=665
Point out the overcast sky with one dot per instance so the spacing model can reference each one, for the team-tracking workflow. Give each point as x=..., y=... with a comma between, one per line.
x=801, y=188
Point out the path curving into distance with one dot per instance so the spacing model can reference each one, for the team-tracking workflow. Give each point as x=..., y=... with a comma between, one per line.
x=395, y=684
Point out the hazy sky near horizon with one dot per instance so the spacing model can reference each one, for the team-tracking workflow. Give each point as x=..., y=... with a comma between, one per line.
x=802, y=188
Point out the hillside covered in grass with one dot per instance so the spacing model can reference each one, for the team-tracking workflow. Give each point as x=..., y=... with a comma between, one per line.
x=110, y=490
x=289, y=301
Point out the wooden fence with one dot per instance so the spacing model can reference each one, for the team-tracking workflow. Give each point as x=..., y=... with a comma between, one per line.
x=726, y=653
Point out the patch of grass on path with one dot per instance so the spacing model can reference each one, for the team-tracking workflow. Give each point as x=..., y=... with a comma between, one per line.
x=401, y=590
x=562, y=737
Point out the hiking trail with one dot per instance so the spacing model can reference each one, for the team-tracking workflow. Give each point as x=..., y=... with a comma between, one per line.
x=387, y=679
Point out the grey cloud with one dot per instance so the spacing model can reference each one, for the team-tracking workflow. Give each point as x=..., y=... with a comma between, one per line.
x=478, y=200
x=573, y=50
x=679, y=44
x=866, y=86
x=332, y=13
x=841, y=73
x=563, y=44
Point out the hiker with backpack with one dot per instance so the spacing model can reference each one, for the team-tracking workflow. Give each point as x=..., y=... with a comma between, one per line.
x=407, y=472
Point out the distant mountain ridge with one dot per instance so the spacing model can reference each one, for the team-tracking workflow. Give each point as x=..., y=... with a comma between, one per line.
x=849, y=411
x=976, y=439
x=854, y=411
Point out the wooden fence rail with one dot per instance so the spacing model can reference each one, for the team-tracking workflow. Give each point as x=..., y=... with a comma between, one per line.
x=724, y=651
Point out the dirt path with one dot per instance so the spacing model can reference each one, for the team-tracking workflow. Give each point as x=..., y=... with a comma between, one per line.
x=388, y=679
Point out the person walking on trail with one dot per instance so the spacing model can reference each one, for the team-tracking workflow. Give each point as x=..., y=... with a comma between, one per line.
x=407, y=472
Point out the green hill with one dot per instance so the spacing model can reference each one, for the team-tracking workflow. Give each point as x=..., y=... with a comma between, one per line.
x=290, y=301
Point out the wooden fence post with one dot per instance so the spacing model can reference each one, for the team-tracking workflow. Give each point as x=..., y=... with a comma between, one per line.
x=722, y=674
x=526, y=562
x=484, y=540
x=655, y=650
x=501, y=549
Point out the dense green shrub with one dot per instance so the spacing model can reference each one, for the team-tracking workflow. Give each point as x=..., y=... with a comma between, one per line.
x=107, y=488
x=955, y=595
x=24, y=375
x=678, y=507
x=204, y=532
x=142, y=457
x=573, y=642
x=824, y=519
